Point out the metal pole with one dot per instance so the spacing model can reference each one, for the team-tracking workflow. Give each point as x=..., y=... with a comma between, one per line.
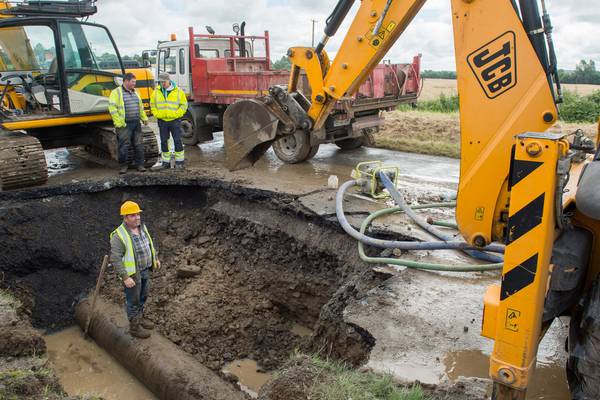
x=314, y=21
x=98, y=284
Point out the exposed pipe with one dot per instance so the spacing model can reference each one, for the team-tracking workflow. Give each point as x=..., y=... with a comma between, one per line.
x=169, y=372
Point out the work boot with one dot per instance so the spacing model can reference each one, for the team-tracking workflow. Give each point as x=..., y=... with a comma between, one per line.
x=146, y=323
x=179, y=165
x=123, y=169
x=137, y=330
x=141, y=168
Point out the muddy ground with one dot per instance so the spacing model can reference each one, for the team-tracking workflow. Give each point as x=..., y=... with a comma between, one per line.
x=25, y=372
x=264, y=262
x=270, y=256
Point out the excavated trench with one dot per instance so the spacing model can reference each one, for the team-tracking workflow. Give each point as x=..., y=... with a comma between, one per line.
x=245, y=272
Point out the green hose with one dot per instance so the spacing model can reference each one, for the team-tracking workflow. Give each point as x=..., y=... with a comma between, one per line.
x=444, y=224
x=418, y=264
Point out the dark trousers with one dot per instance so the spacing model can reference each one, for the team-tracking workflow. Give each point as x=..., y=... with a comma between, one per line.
x=131, y=134
x=135, y=297
x=172, y=128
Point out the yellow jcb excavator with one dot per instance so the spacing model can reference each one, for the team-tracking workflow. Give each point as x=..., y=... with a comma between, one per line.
x=537, y=193
x=56, y=73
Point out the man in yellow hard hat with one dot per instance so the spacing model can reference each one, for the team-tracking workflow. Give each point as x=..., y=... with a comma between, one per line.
x=133, y=255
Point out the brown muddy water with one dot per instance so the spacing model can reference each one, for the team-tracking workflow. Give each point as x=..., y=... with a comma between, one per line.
x=84, y=368
x=250, y=380
x=549, y=381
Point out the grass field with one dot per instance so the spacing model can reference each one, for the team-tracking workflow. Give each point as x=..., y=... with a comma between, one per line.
x=433, y=88
x=438, y=133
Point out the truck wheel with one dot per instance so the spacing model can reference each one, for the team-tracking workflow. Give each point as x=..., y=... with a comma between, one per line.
x=292, y=149
x=189, y=135
x=367, y=139
x=350, y=144
x=583, y=366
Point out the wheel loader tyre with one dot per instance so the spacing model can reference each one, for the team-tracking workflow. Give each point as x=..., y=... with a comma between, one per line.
x=293, y=149
x=583, y=365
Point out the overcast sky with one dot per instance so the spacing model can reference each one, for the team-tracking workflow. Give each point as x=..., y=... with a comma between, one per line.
x=139, y=24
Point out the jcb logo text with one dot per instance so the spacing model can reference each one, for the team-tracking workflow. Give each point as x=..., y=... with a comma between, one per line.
x=495, y=66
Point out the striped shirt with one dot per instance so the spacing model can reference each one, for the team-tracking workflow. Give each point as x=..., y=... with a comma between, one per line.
x=141, y=250
x=132, y=105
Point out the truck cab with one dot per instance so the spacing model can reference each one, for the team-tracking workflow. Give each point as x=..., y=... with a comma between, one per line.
x=174, y=57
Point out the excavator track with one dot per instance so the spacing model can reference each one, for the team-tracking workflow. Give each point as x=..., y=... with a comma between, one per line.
x=104, y=146
x=22, y=161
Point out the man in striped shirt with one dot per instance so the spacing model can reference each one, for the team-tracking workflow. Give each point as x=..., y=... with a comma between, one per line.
x=126, y=109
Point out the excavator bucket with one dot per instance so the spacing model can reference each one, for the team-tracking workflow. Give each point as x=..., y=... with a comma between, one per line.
x=249, y=129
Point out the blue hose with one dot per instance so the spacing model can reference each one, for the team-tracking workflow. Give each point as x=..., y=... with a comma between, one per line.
x=394, y=244
x=389, y=185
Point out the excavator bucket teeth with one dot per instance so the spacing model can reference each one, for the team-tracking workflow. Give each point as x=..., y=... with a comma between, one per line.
x=249, y=129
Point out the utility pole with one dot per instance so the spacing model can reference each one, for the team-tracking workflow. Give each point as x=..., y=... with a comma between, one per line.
x=314, y=21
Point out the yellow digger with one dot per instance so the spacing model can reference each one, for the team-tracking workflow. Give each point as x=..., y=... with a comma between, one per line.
x=56, y=73
x=533, y=195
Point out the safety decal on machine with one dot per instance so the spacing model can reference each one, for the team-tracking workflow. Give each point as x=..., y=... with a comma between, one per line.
x=376, y=40
x=512, y=320
x=495, y=65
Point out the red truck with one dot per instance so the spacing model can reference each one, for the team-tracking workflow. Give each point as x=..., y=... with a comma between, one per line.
x=217, y=70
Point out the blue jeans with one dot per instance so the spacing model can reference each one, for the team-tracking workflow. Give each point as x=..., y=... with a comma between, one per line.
x=135, y=297
x=131, y=134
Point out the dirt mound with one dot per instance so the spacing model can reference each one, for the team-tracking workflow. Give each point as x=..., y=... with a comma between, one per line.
x=292, y=382
x=337, y=339
x=20, y=342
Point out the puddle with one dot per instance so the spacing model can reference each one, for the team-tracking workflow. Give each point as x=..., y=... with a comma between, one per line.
x=549, y=381
x=84, y=368
x=59, y=161
x=301, y=330
x=250, y=380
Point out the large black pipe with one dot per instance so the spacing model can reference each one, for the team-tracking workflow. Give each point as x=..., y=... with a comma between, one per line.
x=165, y=369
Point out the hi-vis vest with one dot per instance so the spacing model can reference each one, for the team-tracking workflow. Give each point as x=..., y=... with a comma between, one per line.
x=116, y=107
x=170, y=108
x=129, y=256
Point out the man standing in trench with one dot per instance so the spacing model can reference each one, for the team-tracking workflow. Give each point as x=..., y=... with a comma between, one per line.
x=126, y=109
x=133, y=255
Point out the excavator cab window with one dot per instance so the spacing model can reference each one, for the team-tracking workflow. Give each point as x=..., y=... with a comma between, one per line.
x=92, y=65
x=28, y=71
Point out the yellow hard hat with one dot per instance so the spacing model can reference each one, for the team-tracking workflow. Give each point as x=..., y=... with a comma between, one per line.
x=130, y=207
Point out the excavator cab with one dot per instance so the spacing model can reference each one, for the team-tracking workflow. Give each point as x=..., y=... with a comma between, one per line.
x=56, y=74
x=52, y=67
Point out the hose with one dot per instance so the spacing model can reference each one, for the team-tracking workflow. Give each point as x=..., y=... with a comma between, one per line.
x=399, y=199
x=394, y=244
x=443, y=224
x=416, y=264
